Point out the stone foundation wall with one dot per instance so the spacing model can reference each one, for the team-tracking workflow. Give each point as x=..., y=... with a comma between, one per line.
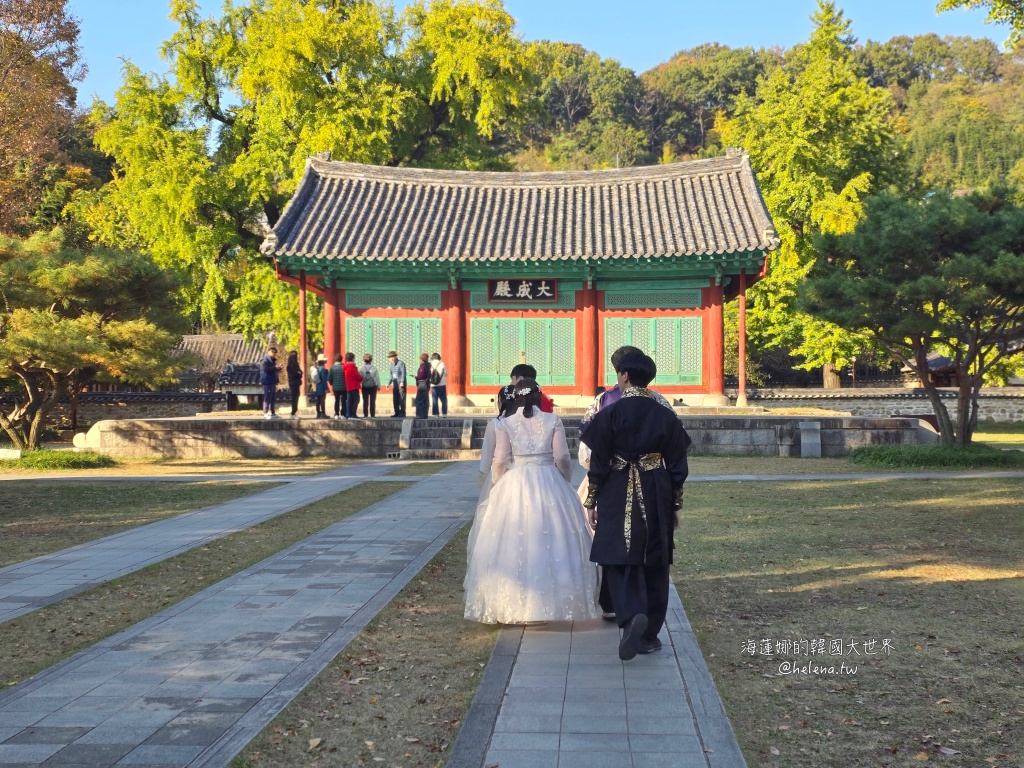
x=249, y=437
x=994, y=404
x=91, y=412
x=780, y=436
x=244, y=437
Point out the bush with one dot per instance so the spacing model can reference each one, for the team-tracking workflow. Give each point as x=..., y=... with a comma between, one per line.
x=59, y=460
x=937, y=456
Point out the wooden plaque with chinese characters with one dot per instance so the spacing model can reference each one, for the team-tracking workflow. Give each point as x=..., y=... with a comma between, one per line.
x=529, y=291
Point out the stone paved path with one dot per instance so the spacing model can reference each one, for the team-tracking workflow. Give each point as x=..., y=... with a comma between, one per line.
x=557, y=696
x=43, y=580
x=195, y=683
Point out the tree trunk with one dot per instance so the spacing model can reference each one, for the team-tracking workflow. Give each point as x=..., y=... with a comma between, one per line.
x=830, y=377
x=967, y=409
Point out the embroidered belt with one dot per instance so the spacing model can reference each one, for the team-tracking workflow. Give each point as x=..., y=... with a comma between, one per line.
x=634, y=490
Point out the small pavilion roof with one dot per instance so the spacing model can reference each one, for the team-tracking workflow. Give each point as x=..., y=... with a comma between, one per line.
x=369, y=213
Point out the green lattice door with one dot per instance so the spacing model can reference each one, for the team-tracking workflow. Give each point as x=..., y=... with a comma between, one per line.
x=497, y=345
x=675, y=343
x=408, y=336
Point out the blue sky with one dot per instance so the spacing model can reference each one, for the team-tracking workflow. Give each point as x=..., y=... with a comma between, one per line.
x=639, y=33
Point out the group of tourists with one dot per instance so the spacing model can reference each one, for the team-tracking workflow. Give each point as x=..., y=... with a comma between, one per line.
x=540, y=550
x=349, y=384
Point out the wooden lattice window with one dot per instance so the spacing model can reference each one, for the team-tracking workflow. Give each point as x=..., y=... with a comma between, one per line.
x=497, y=345
x=675, y=343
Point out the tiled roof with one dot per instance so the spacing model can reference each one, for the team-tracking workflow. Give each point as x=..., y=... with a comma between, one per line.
x=240, y=376
x=371, y=213
x=217, y=349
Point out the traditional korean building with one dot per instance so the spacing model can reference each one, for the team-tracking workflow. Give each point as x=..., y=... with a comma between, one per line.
x=555, y=269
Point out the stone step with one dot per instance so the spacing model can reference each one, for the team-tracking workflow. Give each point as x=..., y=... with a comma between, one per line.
x=448, y=432
x=434, y=443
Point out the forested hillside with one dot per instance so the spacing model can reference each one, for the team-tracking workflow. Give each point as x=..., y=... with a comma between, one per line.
x=189, y=165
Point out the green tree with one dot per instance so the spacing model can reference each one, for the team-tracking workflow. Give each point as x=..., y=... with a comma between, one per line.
x=820, y=138
x=588, y=112
x=999, y=11
x=940, y=274
x=688, y=91
x=209, y=154
x=70, y=317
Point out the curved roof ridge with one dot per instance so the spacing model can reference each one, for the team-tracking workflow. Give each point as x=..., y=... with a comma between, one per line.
x=369, y=213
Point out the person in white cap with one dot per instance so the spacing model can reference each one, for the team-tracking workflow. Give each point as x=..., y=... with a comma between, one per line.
x=318, y=380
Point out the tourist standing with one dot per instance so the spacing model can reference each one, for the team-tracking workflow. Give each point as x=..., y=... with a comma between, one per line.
x=353, y=385
x=423, y=387
x=268, y=379
x=294, y=380
x=336, y=378
x=371, y=383
x=524, y=371
x=438, y=384
x=397, y=378
x=637, y=470
x=318, y=378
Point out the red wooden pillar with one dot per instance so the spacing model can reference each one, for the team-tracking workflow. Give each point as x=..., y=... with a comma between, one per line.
x=456, y=353
x=332, y=333
x=587, y=362
x=342, y=314
x=303, y=346
x=716, y=347
x=741, y=397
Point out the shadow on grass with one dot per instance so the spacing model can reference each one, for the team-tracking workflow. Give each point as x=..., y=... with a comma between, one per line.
x=932, y=568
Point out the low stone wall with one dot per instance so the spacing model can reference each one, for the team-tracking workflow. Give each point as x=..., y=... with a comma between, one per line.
x=92, y=411
x=244, y=437
x=998, y=404
x=250, y=437
x=780, y=435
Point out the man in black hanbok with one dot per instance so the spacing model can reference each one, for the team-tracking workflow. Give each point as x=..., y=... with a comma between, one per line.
x=637, y=471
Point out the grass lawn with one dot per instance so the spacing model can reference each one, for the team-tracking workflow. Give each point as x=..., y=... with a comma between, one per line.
x=37, y=517
x=397, y=694
x=40, y=639
x=312, y=465
x=420, y=468
x=774, y=465
x=1001, y=435
x=935, y=567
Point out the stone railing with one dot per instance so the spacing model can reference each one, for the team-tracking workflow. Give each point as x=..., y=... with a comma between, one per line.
x=998, y=404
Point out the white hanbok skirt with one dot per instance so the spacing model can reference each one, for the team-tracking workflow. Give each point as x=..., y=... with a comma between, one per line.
x=530, y=551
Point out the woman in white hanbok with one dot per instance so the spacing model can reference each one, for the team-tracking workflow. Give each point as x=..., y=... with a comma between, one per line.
x=530, y=557
x=506, y=406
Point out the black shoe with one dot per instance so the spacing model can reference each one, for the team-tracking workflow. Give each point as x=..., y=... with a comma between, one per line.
x=648, y=646
x=632, y=634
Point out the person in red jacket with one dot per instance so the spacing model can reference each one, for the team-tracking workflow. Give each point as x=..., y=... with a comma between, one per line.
x=353, y=386
x=524, y=371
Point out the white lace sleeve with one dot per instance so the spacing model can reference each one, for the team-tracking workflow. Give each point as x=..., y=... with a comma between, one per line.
x=560, y=447
x=487, y=451
x=584, y=456
x=502, y=453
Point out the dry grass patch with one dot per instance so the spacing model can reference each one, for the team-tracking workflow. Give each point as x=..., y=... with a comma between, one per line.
x=297, y=466
x=933, y=566
x=40, y=639
x=397, y=694
x=421, y=468
x=37, y=518
x=772, y=465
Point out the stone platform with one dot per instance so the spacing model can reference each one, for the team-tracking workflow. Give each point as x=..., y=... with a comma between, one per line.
x=461, y=437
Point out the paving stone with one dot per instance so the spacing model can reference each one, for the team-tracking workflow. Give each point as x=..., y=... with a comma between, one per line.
x=160, y=755
x=595, y=760
x=522, y=758
x=90, y=754
x=31, y=754
x=525, y=741
x=46, y=735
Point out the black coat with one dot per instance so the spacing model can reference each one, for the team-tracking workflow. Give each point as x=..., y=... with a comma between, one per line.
x=636, y=426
